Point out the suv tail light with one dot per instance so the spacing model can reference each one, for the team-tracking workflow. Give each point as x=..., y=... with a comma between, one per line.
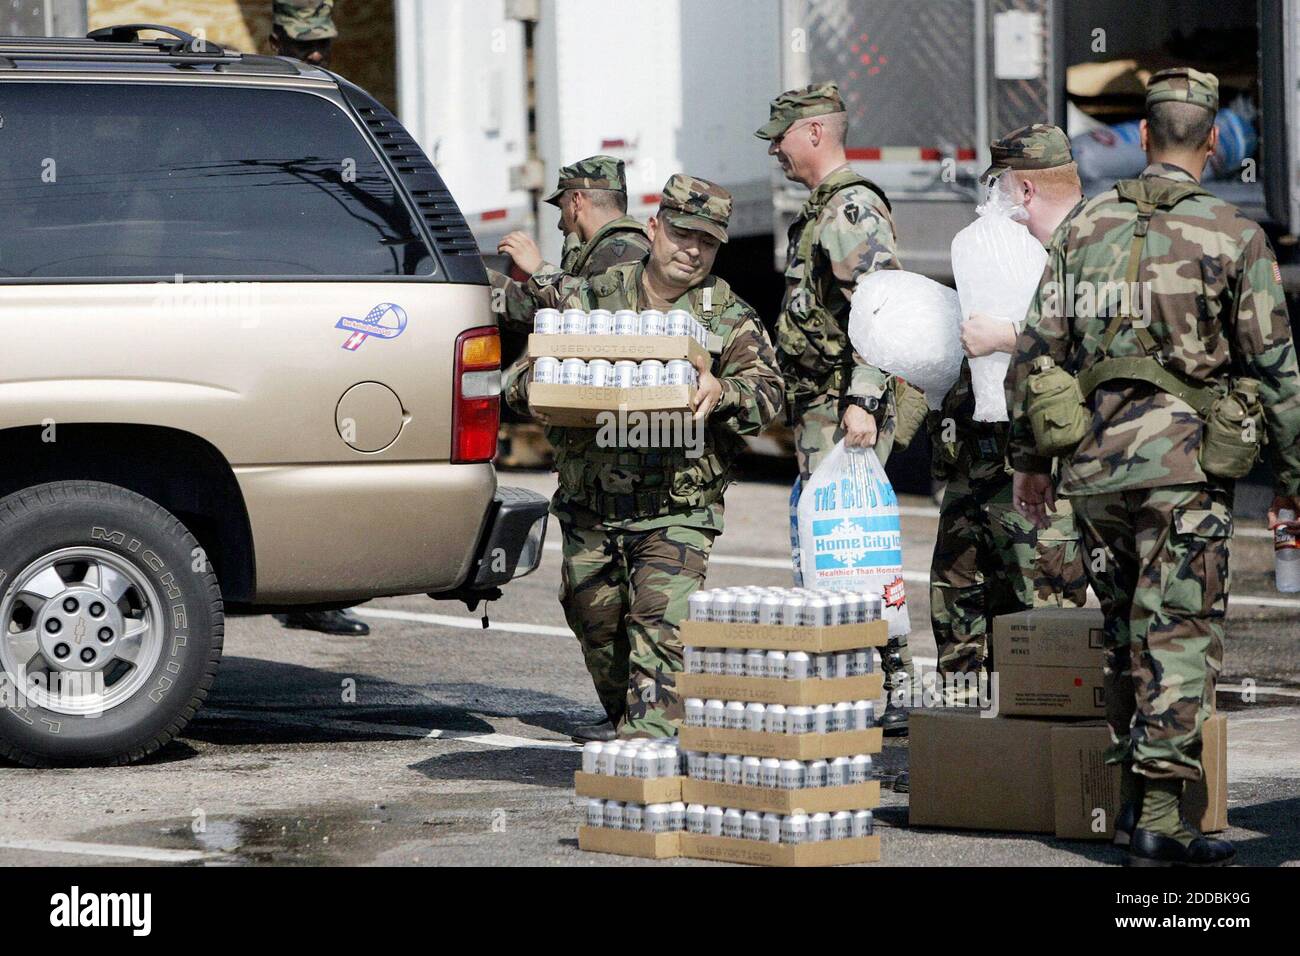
x=476, y=410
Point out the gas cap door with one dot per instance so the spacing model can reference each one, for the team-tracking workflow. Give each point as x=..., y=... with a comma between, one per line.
x=369, y=416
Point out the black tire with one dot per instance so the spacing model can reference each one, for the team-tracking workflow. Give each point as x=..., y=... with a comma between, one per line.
x=44, y=519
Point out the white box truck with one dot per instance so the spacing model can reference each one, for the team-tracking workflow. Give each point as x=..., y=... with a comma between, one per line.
x=462, y=93
x=666, y=87
x=928, y=83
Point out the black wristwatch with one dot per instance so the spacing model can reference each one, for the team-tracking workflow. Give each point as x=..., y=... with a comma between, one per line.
x=866, y=404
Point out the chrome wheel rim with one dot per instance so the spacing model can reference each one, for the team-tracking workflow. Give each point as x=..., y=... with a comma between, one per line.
x=80, y=631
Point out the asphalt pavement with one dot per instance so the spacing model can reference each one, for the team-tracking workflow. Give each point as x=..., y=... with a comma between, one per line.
x=434, y=741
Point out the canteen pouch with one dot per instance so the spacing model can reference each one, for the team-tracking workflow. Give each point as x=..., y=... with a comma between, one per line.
x=910, y=410
x=1055, y=409
x=1234, y=431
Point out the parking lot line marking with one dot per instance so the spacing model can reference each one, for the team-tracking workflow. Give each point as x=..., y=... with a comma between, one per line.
x=115, y=850
x=470, y=623
x=1267, y=691
x=489, y=739
x=927, y=511
x=923, y=577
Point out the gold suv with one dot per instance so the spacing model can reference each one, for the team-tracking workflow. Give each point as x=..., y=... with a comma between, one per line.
x=249, y=365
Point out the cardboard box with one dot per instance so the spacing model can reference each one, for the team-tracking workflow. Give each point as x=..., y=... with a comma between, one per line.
x=1087, y=789
x=754, y=743
x=775, y=690
x=580, y=406
x=778, y=637
x=978, y=773
x=1028, y=775
x=755, y=852
x=1049, y=662
x=617, y=348
x=857, y=796
x=605, y=787
x=653, y=846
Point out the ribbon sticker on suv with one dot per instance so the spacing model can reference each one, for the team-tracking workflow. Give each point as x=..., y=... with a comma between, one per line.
x=385, y=321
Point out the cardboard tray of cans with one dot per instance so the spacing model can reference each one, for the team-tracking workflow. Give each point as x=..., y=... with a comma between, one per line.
x=634, y=789
x=825, y=853
x=855, y=796
x=617, y=348
x=755, y=743
x=780, y=637
x=653, y=846
x=775, y=690
x=580, y=405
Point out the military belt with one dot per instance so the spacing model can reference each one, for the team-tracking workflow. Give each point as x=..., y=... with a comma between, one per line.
x=643, y=504
x=642, y=459
x=1146, y=369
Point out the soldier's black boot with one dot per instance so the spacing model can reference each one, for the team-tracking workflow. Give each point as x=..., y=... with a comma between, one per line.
x=1130, y=796
x=325, y=622
x=1163, y=838
x=898, y=675
x=894, y=720
x=601, y=732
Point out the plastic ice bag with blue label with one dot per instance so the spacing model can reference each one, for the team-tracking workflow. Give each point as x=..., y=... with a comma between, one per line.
x=850, y=538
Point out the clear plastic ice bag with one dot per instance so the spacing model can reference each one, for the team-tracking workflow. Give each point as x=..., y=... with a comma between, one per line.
x=997, y=264
x=910, y=326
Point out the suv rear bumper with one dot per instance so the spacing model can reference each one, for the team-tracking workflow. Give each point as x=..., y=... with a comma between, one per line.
x=510, y=547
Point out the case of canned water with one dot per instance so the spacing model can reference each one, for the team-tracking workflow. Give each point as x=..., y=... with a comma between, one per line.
x=794, y=828
x=623, y=322
x=601, y=373
x=787, y=607
x=758, y=717
x=642, y=759
x=772, y=774
x=780, y=665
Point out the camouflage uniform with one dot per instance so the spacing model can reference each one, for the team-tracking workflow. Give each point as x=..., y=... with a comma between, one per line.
x=305, y=21
x=618, y=241
x=844, y=231
x=988, y=558
x=638, y=523
x=1140, y=497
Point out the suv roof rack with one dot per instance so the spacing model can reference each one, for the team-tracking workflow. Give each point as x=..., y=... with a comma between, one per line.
x=122, y=44
x=181, y=41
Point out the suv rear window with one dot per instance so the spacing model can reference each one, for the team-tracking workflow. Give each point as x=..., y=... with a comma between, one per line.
x=119, y=180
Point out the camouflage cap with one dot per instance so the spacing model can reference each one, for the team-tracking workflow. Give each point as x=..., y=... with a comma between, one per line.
x=305, y=20
x=816, y=100
x=690, y=203
x=594, y=172
x=1184, y=85
x=1038, y=146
